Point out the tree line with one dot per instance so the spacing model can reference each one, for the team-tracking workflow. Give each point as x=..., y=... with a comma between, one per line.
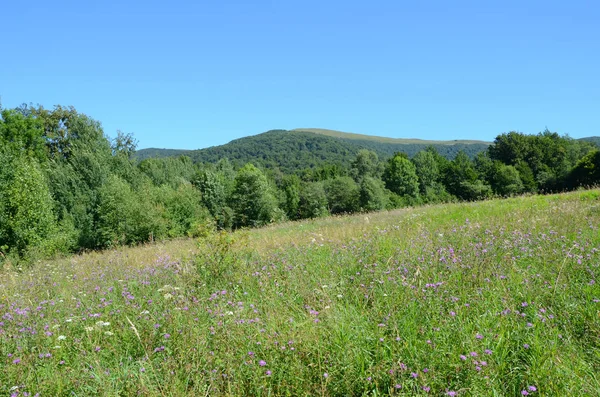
x=66, y=187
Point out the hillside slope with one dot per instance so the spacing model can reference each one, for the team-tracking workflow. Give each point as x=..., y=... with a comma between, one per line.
x=383, y=139
x=299, y=149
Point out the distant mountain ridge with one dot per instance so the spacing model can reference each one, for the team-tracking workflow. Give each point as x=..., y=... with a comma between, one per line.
x=301, y=148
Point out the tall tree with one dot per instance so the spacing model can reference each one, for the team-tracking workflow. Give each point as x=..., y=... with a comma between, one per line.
x=252, y=199
x=400, y=176
x=342, y=195
x=365, y=165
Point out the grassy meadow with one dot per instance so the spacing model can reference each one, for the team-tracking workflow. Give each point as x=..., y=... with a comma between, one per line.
x=495, y=298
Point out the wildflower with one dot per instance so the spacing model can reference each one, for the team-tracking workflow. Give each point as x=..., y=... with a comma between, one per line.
x=473, y=354
x=167, y=336
x=262, y=363
x=426, y=389
x=524, y=392
x=108, y=333
x=89, y=329
x=488, y=351
x=398, y=386
x=463, y=357
x=268, y=372
x=532, y=388
x=61, y=337
x=414, y=374
x=325, y=375
x=16, y=361
x=451, y=393
x=526, y=346
x=479, y=336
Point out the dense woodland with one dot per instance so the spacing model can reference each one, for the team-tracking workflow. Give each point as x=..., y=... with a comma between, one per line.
x=66, y=187
x=293, y=151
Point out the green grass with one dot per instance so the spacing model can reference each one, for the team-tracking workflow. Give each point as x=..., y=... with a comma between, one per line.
x=481, y=299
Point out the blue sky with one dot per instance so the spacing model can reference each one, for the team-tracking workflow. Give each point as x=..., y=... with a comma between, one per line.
x=192, y=74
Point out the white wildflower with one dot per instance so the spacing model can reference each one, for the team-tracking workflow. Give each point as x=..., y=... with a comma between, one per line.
x=108, y=333
x=168, y=296
x=89, y=329
x=61, y=337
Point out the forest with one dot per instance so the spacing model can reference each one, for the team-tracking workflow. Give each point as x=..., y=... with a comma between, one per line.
x=295, y=150
x=66, y=187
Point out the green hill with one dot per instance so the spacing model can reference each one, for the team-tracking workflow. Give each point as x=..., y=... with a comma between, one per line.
x=157, y=153
x=593, y=139
x=382, y=139
x=305, y=148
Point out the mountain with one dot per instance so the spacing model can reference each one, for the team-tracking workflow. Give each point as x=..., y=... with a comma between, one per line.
x=143, y=154
x=311, y=147
x=386, y=147
x=306, y=148
x=382, y=139
x=593, y=139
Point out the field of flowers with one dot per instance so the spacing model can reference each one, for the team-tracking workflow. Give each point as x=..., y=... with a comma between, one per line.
x=496, y=298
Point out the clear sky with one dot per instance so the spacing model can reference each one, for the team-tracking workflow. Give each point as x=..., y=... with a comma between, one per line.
x=191, y=74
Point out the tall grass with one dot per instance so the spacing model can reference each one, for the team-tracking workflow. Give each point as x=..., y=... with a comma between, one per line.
x=494, y=298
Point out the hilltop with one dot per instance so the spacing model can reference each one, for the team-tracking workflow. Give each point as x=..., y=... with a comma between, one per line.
x=291, y=150
x=383, y=139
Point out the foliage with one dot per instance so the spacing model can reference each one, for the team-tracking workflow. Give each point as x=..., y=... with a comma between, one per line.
x=290, y=196
x=365, y=165
x=252, y=199
x=400, y=176
x=372, y=196
x=343, y=195
x=313, y=201
x=548, y=155
x=297, y=150
x=26, y=217
x=87, y=191
x=587, y=170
